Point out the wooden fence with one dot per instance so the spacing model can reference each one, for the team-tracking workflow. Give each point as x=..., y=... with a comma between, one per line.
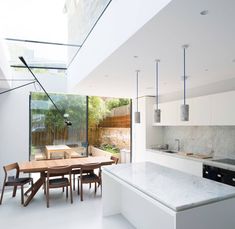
x=43, y=138
x=116, y=121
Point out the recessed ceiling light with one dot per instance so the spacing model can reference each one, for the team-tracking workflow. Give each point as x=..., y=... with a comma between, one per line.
x=206, y=70
x=204, y=12
x=135, y=56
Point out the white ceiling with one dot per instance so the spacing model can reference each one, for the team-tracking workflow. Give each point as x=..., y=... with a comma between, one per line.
x=210, y=58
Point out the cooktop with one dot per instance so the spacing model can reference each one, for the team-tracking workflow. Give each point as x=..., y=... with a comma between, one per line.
x=226, y=161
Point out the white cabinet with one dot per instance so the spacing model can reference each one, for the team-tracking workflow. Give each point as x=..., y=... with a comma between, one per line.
x=223, y=111
x=193, y=167
x=210, y=110
x=200, y=111
x=169, y=114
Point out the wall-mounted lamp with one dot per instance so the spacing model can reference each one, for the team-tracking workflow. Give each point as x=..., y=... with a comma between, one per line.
x=157, y=111
x=184, y=109
x=137, y=113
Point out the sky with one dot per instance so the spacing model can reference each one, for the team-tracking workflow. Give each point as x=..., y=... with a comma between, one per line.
x=41, y=20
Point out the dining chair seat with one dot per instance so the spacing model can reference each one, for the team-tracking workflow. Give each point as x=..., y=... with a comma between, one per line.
x=18, y=181
x=59, y=181
x=90, y=178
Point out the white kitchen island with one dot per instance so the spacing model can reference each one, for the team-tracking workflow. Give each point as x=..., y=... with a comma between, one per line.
x=153, y=196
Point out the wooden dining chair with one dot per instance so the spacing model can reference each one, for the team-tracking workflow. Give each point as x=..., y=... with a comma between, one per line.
x=88, y=176
x=114, y=159
x=15, y=180
x=61, y=182
x=45, y=174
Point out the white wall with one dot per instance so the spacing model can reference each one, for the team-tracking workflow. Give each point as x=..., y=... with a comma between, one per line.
x=119, y=22
x=144, y=134
x=5, y=71
x=14, y=120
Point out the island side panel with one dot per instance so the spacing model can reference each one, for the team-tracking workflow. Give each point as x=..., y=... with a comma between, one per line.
x=215, y=215
x=138, y=208
x=144, y=212
x=111, y=195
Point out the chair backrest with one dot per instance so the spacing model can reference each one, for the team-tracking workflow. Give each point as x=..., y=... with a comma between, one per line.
x=58, y=170
x=13, y=166
x=115, y=159
x=89, y=167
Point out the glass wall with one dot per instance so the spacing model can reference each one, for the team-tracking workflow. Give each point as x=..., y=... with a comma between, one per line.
x=49, y=129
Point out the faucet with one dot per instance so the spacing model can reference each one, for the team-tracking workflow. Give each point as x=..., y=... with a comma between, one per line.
x=178, y=144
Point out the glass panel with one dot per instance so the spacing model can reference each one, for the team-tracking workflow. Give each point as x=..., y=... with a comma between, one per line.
x=48, y=127
x=82, y=16
x=109, y=130
x=39, y=55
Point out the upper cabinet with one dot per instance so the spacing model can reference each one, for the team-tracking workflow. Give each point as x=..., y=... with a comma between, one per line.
x=216, y=109
x=223, y=110
x=169, y=114
x=200, y=111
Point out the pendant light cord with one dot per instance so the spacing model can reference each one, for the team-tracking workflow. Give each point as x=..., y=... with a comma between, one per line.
x=157, y=100
x=184, y=80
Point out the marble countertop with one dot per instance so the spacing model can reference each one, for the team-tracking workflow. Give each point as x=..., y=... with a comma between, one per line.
x=208, y=161
x=174, y=189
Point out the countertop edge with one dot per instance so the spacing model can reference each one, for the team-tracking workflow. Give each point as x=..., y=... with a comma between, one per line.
x=204, y=161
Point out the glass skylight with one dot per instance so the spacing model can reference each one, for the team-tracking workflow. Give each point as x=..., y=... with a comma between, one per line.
x=32, y=27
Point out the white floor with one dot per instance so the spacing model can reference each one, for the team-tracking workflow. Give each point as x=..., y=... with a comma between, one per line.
x=61, y=214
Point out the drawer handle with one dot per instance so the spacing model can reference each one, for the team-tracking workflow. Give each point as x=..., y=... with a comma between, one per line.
x=219, y=175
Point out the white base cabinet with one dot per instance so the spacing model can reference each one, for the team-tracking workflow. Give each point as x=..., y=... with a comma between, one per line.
x=193, y=167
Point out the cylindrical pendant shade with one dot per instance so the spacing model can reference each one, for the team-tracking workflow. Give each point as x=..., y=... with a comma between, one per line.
x=137, y=117
x=157, y=115
x=184, y=112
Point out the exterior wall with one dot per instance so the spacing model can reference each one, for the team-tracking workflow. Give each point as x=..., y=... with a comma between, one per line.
x=119, y=137
x=115, y=136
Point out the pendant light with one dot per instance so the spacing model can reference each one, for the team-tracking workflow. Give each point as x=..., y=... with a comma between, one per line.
x=184, y=109
x=137, y=113
x=157, y=112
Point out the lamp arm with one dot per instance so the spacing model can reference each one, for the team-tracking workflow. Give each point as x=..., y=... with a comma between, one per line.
x=26, y=65
x=17, y=87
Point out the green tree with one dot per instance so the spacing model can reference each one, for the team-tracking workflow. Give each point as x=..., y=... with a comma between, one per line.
x=113, y=103
x=97, y=110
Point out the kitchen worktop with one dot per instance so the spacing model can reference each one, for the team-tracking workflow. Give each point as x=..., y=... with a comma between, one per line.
x=174, y=189
x=209, y=161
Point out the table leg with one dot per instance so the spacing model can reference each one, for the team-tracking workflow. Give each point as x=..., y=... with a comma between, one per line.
x=48, y=156
x=34, y=189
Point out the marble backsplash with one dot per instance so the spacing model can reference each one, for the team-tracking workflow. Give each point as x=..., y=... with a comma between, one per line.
x=219, y=140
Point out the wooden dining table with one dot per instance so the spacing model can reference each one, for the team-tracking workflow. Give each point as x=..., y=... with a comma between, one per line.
x=42, y=167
